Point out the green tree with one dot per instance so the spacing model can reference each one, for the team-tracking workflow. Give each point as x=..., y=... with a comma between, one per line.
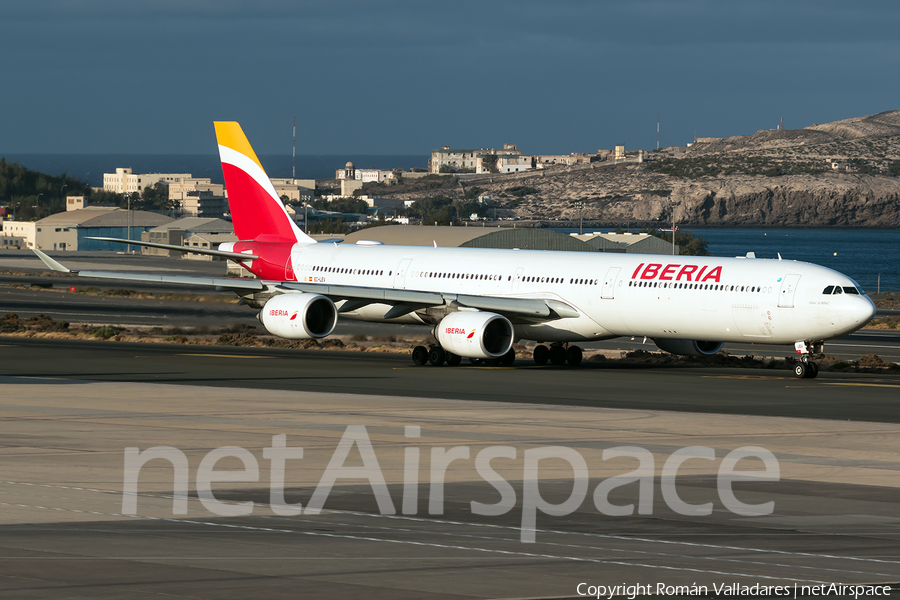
x=31, y=194
x=688, y=243
x=154, y=198
x=335, y=225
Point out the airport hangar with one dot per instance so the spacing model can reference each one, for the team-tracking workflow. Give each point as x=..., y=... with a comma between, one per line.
x=507, y=238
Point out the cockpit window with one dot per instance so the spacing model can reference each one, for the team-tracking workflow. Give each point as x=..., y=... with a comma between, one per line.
x=851, y=290
x=828, y=290
x=837, y=289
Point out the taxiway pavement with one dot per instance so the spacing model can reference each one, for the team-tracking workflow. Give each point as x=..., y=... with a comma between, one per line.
x=765, y=392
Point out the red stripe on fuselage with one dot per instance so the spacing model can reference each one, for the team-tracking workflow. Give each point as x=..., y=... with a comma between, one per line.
x=273, y=256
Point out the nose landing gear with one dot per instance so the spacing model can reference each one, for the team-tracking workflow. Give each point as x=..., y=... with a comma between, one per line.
x=807, y=368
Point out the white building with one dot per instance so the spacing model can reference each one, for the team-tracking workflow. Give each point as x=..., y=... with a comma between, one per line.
x=182, y=231
x=295, y=190
x=348, y=186
x=208, y=241
x=542, y=161
x=75, y=202
x=19, y=234
x=72, y=229
x=179, y=190
x=514, y=164
x=204, y=204
x=124, y=181
x=447, y=160
x=350, y=172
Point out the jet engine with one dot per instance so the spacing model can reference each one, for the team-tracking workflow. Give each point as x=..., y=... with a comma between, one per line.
x=475, y=334
x=299, y=316
x=689, y=347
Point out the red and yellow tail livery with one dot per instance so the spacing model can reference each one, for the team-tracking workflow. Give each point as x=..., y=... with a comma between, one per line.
x=256, y=210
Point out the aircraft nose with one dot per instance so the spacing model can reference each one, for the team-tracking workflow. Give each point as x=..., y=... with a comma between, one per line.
x=864, y=311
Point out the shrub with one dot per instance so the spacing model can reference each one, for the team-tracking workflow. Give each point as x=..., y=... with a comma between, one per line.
x=104, y=333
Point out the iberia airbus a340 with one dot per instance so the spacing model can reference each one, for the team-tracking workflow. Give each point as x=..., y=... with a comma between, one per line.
x=480, y=301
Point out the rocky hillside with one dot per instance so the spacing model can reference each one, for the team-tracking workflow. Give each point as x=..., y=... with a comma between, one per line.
x=773, y=177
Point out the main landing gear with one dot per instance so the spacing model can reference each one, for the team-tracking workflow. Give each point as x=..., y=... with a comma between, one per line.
x=436, y=356
x=807, y=368
x=557, y=354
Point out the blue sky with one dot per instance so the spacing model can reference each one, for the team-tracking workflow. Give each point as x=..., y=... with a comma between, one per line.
x=398, y=77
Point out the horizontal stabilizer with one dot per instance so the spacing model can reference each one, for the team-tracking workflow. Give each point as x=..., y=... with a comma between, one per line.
x=208, y=252
x=230, y=283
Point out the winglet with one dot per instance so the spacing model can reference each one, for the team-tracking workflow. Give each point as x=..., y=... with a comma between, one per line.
x=52, y=264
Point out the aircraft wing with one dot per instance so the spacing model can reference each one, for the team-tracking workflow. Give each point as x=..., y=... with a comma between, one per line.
x=532, y=309
x=401, y=301
x=219, y=282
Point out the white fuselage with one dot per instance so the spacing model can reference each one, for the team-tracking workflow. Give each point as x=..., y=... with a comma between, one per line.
x=658, y=296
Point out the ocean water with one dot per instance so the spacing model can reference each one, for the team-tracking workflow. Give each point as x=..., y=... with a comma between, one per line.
x=862, y=254
x=91, y=167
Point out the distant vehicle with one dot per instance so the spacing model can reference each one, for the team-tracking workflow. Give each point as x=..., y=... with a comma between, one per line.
x=481, y=301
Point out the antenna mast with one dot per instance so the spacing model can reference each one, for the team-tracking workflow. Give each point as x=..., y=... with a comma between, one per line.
x=657, y=131
x=294, y=154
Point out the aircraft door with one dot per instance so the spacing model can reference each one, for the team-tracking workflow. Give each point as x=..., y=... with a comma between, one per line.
x=788, y=288
x=400, y=275
x=516, y=279
x=608, y=291
x=248, y=264
x=289, y=270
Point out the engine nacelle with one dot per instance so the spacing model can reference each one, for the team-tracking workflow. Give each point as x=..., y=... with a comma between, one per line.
x=299, y=316
x=475, y=334
x=689, y=347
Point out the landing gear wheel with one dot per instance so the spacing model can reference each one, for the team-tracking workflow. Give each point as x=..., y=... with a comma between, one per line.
x=812, y=370
x=800, y=370
x=477, y=362
x=453, y=360
x=420, y=355
x=437, y=356
x=557, y=355
x=541, y=354
x=573, y=355
x=509, y=358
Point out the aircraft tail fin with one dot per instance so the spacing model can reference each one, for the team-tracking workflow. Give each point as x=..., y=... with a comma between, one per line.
x=256, y=209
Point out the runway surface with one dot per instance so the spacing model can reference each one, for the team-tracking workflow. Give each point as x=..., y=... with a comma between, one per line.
x=64, y=531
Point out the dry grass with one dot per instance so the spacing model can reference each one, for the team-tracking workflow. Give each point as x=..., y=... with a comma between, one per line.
x=132, y=294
